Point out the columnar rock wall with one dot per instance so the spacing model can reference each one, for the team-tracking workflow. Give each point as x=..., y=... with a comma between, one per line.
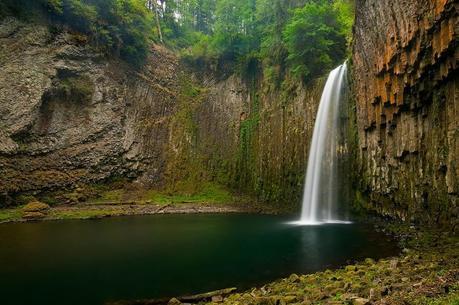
x=257, y=136
x=68, y=115
x=406, y=87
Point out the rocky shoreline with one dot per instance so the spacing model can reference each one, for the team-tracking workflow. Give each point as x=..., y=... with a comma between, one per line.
x=425, y=272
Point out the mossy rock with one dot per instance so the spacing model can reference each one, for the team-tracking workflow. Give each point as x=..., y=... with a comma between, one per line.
x=35, y=206
x=174, y=301
x=24, y=199
x=33, y=215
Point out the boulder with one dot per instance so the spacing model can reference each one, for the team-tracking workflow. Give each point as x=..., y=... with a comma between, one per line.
x=35, y=210
x=217, y=299
x=35, y=206
x=33, y=215
x=174, y=301
x=360, y=301
x=394, y=264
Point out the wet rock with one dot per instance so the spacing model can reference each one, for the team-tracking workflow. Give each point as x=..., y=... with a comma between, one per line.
x=265, y=301
x=294, y=278
x=360, y=301
x=174, y=301
x=33, y=215
x=35, y=210
x=350, y=268
x=372, y=294
x=217, y=299
x=369, y=261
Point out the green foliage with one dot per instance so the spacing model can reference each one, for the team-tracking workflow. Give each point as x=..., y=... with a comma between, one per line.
x=121, y=27
x=315, y=40
x=25, y=199
x=304, y=36
x=10, y=214
x=345, y=11
x=75, y=88
x=111, y=196
x=208, y=193
x=182, y=192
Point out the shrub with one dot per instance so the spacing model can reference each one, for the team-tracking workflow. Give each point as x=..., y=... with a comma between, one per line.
x=121, y=27
x=315, y=40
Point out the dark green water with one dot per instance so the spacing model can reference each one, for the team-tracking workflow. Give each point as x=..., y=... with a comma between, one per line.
x=90, y=262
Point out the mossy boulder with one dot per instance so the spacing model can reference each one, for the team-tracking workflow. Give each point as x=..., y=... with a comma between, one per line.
x=35, y=206
x=174, y=301
x=33, y=215
x=35, y=210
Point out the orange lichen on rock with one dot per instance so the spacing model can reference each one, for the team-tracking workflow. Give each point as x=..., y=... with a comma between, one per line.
x=406, y=91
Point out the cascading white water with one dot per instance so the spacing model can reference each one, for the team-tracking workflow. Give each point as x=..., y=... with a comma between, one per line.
x=320, y=191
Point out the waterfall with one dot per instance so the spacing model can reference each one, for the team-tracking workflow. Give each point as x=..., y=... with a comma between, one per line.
x=320, y=190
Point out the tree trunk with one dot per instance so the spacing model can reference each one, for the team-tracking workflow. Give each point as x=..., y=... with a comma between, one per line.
x=153, y=6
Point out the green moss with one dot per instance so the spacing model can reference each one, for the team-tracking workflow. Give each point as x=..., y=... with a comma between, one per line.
x=426, y=276
x=82, y=213
x=25, y=199
x=75, y=88
x=210, y=193
x=111, y=196
x=49, y=200
x=450, y=299
x=246, y=157
x=10, y=214
x=35, y=206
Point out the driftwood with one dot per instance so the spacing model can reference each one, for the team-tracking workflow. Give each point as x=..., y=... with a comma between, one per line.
x=202, y=297
x=116, y=203
x=162, y=208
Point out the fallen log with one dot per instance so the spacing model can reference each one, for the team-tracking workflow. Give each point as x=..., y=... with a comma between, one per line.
x=197, y=298
x=206, y=296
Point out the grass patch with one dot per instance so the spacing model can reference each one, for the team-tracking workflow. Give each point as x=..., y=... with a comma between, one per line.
x=82, y=213
x=206, y=193
x=210, y=193
x=450, y=299
x=111, y=196
x=10, y=214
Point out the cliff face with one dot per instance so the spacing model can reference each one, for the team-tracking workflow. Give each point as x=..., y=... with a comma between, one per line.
x=68, y=115
x=71, y=116
x=405, y=82
x=257, y=136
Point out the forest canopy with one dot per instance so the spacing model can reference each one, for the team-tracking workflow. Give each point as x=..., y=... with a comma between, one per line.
x=305, y=37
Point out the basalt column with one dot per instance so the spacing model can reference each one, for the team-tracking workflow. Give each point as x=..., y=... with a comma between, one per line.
x=405, y=82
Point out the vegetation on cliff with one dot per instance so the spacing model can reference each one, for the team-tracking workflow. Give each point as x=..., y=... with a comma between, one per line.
x=248, y=34
x=230, y=33
x=123, y=27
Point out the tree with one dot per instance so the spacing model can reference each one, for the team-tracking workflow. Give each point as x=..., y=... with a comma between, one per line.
x=153, y=6
x=234, y=28
x=314, y=40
